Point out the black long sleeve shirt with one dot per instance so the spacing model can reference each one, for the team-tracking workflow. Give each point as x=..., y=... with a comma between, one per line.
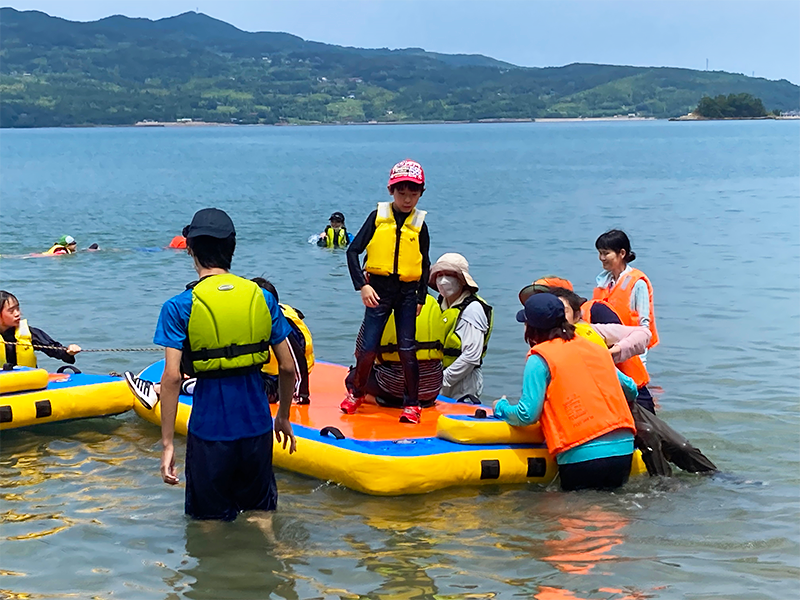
x=39, y=338
x=363, y=238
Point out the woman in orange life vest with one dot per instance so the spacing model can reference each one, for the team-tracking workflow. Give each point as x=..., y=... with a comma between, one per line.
x=572, y=386
x=625, y=342
x=626, y=290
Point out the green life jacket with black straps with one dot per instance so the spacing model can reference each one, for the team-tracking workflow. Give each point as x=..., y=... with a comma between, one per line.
x=451, y=317
x=229, y=328
x=429, y=334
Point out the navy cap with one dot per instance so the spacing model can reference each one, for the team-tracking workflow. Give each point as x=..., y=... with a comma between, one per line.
x=337, y=216
x=542, y=311
x=210, y=221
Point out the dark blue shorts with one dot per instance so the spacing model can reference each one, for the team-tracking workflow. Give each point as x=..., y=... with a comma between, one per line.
x=225, y=478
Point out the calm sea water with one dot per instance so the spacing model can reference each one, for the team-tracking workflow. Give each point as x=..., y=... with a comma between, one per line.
x=713, y=210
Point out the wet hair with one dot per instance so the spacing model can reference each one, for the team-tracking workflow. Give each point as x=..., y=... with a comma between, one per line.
x=407, y=185
x=534, y=335
x=212, y=252
x=266, y=284
x=575, y=302
x=94, y=246
x=6, y=297
x=616, y=240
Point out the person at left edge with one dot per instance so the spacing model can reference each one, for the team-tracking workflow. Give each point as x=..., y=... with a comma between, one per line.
x=335, y=234
x=397, y=267
x=19, y=339
x=220, y=330
x=581, y=398
x=66, y=244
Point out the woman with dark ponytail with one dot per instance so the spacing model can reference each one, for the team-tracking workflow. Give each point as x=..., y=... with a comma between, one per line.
x=627, y=291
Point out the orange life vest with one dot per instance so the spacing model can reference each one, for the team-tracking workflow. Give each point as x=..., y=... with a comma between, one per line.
x=619, y=298
x=178, y=242
x=633, y=367
x=584, y=399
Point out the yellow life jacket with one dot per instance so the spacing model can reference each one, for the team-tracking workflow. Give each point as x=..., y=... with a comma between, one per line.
x=56, y=247
x=389, y=253
x=297, y=323
x=334, y=240
x=24, y=347
x=585, y=330
x=229, y=327
x=451, y=317
x=429, y=335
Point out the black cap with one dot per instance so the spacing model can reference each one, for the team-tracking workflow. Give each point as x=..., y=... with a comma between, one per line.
x=337, y=216
x=542, y=311
x=210, y=221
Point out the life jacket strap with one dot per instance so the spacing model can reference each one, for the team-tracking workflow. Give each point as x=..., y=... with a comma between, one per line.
x=231, y=351
x=435, y=345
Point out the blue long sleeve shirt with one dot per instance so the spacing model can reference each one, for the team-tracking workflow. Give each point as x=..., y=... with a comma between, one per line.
x=528, y=410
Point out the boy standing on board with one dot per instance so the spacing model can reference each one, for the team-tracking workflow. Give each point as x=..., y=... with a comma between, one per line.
x=396, y=240
x=220, y=330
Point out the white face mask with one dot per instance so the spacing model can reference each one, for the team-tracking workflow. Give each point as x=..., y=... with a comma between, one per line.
x=448, y=285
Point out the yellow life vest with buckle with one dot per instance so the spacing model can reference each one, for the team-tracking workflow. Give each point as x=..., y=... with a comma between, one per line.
x=335, y=239
x=429, y=335
x=451, y=317
x=229, y=327
x=24, y=347
x=297, y=323
x=390, y=252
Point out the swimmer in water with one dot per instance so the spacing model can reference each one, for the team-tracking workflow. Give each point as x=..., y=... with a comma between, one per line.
x=66, y=244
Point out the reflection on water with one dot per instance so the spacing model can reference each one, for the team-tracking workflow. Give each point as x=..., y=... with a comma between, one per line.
x=711, y=209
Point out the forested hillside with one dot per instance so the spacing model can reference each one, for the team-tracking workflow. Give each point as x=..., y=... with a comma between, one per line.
x=121, y=70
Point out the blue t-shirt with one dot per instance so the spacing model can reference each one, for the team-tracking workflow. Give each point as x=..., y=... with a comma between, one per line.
x=225, y=408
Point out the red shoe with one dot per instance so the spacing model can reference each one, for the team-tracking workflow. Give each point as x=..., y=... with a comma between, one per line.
x=350, y=404
x=411, y=414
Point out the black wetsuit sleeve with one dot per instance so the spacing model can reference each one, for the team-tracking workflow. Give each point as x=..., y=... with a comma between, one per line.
x=40, y=338
x=424, y=248
x=358, y=246
x=11, y=349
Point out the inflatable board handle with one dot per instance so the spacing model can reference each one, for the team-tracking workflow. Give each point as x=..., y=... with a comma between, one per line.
x=469, y=398
x=63, y=369
x=333, y=431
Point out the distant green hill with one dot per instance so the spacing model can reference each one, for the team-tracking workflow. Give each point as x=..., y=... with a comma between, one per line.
x=120, y=70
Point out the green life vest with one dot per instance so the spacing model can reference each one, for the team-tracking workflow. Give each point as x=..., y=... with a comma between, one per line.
x=451, y=317
x=429, y=334
x=229, y=327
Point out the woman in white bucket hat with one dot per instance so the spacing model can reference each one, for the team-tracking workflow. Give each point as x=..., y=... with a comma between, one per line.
x=468, y=325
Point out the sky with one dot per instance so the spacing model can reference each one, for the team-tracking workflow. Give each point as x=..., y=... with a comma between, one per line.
x=751, y=37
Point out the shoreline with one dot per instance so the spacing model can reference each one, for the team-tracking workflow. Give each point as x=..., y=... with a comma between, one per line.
x=356, y=123
x=547, y=120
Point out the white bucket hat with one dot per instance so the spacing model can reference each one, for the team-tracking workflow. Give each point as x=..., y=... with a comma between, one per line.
x=454, y=263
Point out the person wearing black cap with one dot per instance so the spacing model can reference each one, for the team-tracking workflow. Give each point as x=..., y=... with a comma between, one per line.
x=335, y=234
x=220, y=330
x=572, y=386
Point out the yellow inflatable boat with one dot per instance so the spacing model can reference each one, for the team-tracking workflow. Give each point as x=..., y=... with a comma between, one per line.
x=373, y=453
x=34, y=396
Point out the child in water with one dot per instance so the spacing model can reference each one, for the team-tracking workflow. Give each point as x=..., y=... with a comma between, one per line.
x=19, y=339
x=335, y=234
x=66, y=244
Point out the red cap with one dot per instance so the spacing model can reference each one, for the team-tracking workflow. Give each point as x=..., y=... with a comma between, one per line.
x=407, y=170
